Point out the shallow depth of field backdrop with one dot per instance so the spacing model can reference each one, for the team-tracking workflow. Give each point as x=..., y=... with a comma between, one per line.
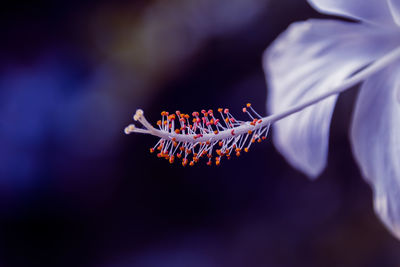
x=76, y=191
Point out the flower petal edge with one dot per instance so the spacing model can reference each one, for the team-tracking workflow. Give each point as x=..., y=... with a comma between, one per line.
x=304, y=62
x=375, y=139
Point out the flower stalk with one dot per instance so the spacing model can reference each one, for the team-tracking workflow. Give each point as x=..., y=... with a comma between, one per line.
x=347, y=84
x=191, y=137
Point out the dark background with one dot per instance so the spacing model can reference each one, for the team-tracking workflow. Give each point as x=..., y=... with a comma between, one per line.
x=76, y=191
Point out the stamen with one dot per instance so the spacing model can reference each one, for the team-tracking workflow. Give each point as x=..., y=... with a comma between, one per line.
x=191, y=142
x=208, y=131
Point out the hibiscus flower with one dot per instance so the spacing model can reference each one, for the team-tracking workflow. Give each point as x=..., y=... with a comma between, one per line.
x=317, y=58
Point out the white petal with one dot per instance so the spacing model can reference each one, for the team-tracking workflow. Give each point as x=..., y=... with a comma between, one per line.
x=305, y=61
x=375, y=137
x=395, y=9
x=398, y=95
x=371, y=11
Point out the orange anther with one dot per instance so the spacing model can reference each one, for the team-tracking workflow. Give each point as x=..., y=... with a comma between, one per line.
x=191, y=163
x=159, y=123
x=151, y=150
x=263, y=138
x=209, y=163
x=237, y=154
x=259, y=140
x=253, y=140
x=217, y=162
x=248, y=105
x=246, y=150
x=215, y=132
x=179, y=155
x=220, y=143
x=177, y=131
x=220, y=110
x=250, y=132
x=171, y=159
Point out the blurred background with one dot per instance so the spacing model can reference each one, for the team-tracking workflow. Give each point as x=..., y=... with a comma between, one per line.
x=76, y=191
